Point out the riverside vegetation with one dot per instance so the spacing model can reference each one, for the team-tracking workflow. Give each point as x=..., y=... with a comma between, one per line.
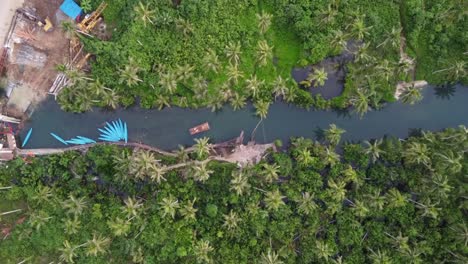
x=216, y=52
x=384, y=201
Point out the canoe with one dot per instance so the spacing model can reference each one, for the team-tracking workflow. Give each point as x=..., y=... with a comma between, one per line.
x=26, y=139
x=199, y=129
x=59, y=138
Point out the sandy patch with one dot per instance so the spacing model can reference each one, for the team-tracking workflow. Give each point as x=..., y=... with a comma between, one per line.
x=7, y=10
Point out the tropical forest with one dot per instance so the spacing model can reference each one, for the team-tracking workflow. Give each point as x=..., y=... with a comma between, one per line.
x=326, y=198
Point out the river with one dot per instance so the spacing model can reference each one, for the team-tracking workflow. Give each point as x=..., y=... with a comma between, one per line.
x=169, y=128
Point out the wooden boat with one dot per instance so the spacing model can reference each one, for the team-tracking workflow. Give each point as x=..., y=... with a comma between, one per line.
x=200, y=128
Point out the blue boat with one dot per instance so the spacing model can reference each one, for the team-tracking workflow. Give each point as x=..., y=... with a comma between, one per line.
x=59, y=138
x=114, y=131
x=26, y=139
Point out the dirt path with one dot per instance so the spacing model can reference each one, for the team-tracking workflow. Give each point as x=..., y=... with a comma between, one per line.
x=7, y=10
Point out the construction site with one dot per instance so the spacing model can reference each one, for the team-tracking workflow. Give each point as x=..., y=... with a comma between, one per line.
x=41, y=44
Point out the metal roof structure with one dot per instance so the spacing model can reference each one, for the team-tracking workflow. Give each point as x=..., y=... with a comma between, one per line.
x=71, y=9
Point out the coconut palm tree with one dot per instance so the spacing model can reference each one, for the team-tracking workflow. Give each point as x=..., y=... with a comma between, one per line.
x=162, y=101
x=188, y=211
x=233, y=52
x=37, y=219
x=231, y=221
x=333, y=134
x=405, y=65
x=362, y=54
x=201, y=250
x=254, y=85
x=238, y=101
x=202, y=147
x=319, y=76
x=411, y=95
x=169, y=206
x=327, y=15
x=211, y=61
x=264, y=52
x=97, y=245
x=234, y=74
x=271, y=257
x=373, y=149
x=392, y=38
x=359, y=209
x=385, y=70
x=239, y=183
x=338, y=40
x=461, y=233
x=455, y=71
x=270, y=172
x=442, y=187
x=417, y=153
x=361, y=103
x=132, y=207
x=137, y=255
x=264, y=22
x=359, y=29
x=323, y=250
x=168, y=81
x=42, y=194
x=184, y=72
x=337, y=189
x=68, y=252
x=379, y=257
x=119, y=227
x=71, y=225
x=142, y=163
x=182, y=154
x=331, y=157
x=303, y=157
x=452, y=161
x=110, y=99
x=376, y=201
x=129, y=74
x=262, y=108
x=184, y=26
x=280, y=87
x=306, y=204
x=97, y=87
x=201, y=172
x=74, y=205
x=395, y=199
x=144, y=13
x=290, y=94
x=273, y=200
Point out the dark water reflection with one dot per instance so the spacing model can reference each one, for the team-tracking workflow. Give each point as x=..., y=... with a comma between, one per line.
x=169, y=127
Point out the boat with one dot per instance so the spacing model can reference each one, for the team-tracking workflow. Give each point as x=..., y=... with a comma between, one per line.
x=27, y=138
x=200, y=128
x=59, y=138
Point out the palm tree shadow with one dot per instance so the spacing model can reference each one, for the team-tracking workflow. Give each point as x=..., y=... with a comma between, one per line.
x=342, y=112
x=445, y=91
x=319, y=134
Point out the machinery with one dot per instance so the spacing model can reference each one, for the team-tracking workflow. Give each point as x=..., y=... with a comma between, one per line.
x=46, y=24
x=90, y=21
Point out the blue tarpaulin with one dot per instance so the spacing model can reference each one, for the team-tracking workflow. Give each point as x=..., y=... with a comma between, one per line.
x=71, y=9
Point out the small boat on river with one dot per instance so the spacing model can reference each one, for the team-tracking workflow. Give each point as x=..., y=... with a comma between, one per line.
x=200, y=128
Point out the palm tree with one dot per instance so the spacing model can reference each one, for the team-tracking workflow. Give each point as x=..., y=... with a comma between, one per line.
x=97, y=245
x=37, y=219
x=168, y=81
x=264, y=52
x=455, y=71
x=271, y=257
x=132, y=207
x=233, y=52
x=234, y=74
x=337, y=189
x=376, y=201
x=169, y=206
x=201, y=173
x=333, y=134
x=461, y=233
x=306, y=204
x=331, y=157
x=121, y=162
x=97, y=87
x=129, y=74
x=360, y=209
x=373, y=149
x=137, y=255
x=238, y=101
x=319, y=76
x=395, y=199
x=264, y=22
x=361, y=103
x=74, y=205
x=417, y=153
x=68, y=252
x=184, y=72
x=188, y=211
x=43, y=194
x=262, y=108
x=304, y=157
x=290, y=94
x=385, y=70
x=323, y=250
x=111, y=99
x=452, y=161
x=359, y=29
x=411, y=95
x=339, y=40
x=379, y=257
x=72, y=225
x=274, y=200
x=270, y=172
x=405, y=65
x=157, y=173
x=162, y=101
x=239, y=183
x=279, y=87
x=392, y=38
x=142, y=163
x=327, y=15
x=211, y=61
x=254, y=85
x=362, y=54
x=201, y=250
x=119, y=226
x=202, y=147
x=184, y=26
x=144, y=13
x=231, y=221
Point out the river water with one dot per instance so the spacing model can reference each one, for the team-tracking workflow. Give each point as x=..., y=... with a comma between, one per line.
x=168, y=128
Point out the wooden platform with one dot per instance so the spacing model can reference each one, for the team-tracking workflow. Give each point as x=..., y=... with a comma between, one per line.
x=200, y=128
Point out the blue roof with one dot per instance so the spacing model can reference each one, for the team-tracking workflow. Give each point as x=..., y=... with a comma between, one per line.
x=71, y=9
